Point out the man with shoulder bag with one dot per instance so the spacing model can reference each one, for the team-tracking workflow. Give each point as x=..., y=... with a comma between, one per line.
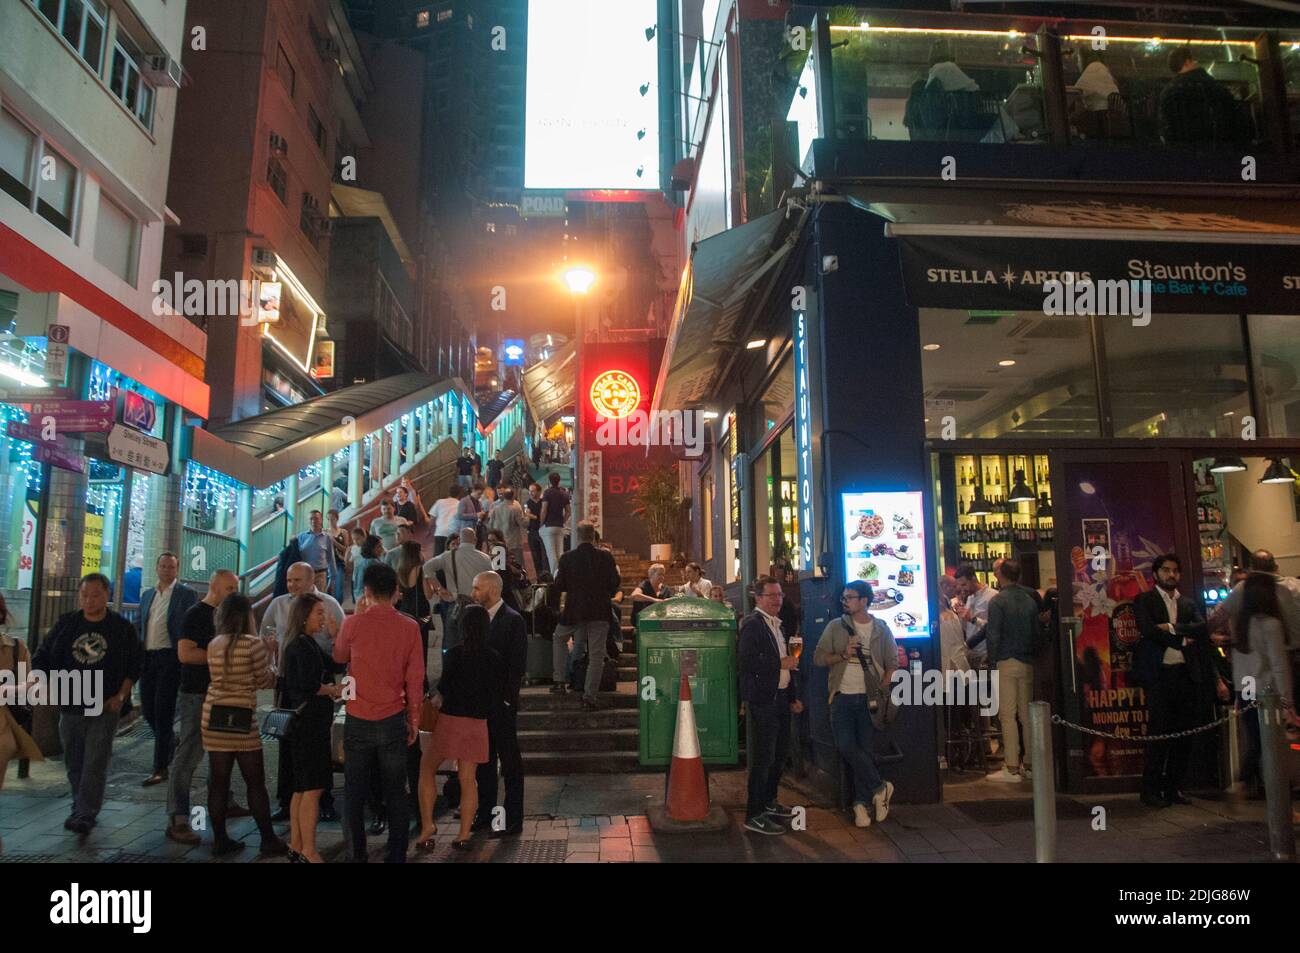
x=862, y=657
x=459, y=567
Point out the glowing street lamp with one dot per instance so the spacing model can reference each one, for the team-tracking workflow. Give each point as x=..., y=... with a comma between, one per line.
x=579, y=280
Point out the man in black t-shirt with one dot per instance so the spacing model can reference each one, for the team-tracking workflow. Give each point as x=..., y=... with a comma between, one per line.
x=495, y=466
x=93, y=641
x=465, y=468
x=533, y=510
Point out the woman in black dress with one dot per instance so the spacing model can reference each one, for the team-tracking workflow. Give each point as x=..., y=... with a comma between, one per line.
x=308, y=685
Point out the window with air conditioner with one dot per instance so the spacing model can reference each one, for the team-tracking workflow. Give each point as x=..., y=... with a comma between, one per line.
x=17, y=155
x=56, y=190
x=116, y=239
x=126, y=82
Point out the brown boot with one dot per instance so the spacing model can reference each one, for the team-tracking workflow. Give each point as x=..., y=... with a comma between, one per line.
x=181, y=833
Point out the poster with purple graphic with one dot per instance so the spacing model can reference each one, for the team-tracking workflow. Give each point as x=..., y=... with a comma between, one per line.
x=1121, y=519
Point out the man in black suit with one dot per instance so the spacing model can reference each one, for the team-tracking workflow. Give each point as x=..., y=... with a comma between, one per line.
x=589, y=577
x=508, y=637
x=162, y=621
x=765, y=688
x=1172, y=663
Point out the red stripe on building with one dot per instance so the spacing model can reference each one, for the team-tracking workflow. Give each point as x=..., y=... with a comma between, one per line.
x=34, y=269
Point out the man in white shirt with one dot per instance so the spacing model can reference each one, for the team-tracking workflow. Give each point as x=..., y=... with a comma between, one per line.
x=459, y=567
x=162, y=613
x=405, y=534
x=973, y=612
x=444, y=517
x=696, y=584
x=302, y=579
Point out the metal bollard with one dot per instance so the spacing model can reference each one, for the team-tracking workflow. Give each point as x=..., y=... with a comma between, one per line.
x=1040, y=744
x=1277, y=786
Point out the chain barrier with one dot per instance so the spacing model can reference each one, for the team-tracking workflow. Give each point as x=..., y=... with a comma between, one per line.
x=1149, y=739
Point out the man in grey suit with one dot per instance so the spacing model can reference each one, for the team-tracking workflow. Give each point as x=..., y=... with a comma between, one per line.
x=162, y=617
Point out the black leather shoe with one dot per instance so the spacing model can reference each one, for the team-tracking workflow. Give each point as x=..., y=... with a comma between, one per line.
x=327, y=814
x=377, y=827
x=281, y=814
x=1177, y=797
x=1154, y=800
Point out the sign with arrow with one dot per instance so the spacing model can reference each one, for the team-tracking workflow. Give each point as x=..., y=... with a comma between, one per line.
x=76, y=416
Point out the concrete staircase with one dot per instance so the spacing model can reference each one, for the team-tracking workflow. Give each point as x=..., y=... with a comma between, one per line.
x=558, y=737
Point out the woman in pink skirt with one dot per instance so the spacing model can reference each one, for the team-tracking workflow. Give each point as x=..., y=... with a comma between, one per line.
x=472, y=675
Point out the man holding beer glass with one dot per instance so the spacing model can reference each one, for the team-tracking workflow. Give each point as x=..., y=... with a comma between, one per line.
x=765, y=670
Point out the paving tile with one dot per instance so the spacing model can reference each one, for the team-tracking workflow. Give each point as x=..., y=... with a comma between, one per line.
x=973, y=837
x=942, y=840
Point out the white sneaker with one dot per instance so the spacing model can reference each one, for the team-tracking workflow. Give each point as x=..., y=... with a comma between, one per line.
x=861, y=816
x=881, y=801
x=1005, y=776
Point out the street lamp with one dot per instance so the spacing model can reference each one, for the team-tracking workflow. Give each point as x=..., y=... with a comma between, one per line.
x=579, y=280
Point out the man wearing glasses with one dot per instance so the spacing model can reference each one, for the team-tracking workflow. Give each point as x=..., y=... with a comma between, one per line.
x=765, y=689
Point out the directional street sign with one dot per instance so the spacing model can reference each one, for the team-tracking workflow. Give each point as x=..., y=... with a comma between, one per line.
x=76, y=416
x=138, y=450
x=58, y=457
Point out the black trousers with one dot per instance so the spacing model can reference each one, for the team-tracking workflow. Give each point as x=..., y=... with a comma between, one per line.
x=767, y=741
x=503, y=744
x=539, y=553
x=160, y=681
x=1172, y=705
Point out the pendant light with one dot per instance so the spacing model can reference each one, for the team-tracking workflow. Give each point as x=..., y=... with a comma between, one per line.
x=979, y=506
x=1020, y=493
x=1229, y=464
x=1277, y=472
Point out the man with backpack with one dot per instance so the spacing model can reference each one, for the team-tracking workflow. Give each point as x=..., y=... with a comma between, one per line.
x=1013, y=633
x=862, y=656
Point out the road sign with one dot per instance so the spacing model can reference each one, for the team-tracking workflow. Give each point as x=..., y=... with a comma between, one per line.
x=138, y=450
x=58, y=457
x=27, y=432
x=76, y=416
x=138, y=411
x=25, y=395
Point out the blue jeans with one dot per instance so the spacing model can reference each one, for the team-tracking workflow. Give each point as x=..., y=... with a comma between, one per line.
x=367, y=745
x=189, y=752
x=87, y=748
x=852, y=728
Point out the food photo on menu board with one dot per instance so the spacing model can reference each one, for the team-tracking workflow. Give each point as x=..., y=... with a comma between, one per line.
x=884, y=536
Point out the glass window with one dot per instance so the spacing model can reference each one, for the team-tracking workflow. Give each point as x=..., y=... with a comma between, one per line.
x=17, y=150
x=50, y=10
x=126, y=82
x=776, y=506
x=1180, y=376
x=56, y=194
x=941, y=84
x=73, y=17
x=288, y=75
x=777, y=401
x=1275, y=339
x=1004, y=372
x=115, y=239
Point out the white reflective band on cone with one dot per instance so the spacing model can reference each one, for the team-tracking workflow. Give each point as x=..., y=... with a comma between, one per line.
x=686, y=742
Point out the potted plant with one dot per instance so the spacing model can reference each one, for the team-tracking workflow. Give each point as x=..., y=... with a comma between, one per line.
x=657, y=502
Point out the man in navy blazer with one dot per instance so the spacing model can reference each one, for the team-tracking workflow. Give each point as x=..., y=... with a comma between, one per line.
x=162, y=617
x=765, y=688
x=508, y=637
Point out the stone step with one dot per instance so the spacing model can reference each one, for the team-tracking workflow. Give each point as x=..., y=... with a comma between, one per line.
x=608, y=719
x=541, y=699
x=579, y=740
x=550, y=763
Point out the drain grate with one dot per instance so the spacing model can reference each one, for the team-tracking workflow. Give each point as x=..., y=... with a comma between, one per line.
x=535, y=852
x=10, y=858
x=123, y=857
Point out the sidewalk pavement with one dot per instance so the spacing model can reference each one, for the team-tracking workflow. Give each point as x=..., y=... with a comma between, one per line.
x=601, y=818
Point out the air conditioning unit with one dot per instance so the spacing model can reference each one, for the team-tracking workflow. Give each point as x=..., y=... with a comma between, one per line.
x=163, y=70
x=328, y=48
x=279, y=147
x=263, y=258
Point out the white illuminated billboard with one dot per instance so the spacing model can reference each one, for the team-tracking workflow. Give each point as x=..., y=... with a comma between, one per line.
x=587, y=63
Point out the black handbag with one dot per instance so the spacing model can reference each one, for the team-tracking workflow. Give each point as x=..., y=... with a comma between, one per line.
x=279, y=722
x=230, y=719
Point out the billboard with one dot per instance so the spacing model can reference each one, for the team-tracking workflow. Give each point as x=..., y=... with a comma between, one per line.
x=591, y=117
x=884, y=546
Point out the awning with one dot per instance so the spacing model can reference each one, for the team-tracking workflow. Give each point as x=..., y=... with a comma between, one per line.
x=987, y=249
x=263, y=450
x=718, y=286
x=549, y=386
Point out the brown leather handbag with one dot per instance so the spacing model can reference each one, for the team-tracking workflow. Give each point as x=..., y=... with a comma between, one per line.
x=429, y=715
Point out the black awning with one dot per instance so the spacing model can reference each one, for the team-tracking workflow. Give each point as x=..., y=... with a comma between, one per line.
x=979, y=249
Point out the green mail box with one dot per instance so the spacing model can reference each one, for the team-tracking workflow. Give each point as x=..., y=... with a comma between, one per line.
x=668, y=634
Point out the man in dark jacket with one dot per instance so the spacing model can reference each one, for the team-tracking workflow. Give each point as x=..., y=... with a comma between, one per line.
x=162, y=620
x=1172, y=663
x=1198, y=110
x=589, y=578
x=94, y=641
x=508, y=637
x=1012, y=633
x=765, y=672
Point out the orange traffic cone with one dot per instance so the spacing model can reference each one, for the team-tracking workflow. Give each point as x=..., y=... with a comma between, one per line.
x=688, y=788
x=687, y=807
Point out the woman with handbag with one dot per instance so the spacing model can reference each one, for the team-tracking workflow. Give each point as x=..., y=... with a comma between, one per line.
x=15, y=721
x=472, y=675
x=309, y=692
x=240, y=664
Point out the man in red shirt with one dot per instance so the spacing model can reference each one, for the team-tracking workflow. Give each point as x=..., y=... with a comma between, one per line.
x=381, y=647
